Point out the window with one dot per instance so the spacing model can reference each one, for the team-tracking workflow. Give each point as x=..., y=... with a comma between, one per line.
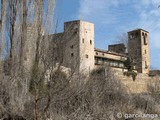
x=72, y=54
x=145, y=40
x=72, y=46
x=145, y=52
x=146, y=66
x=99, y=61
x=116, y=64
x=103, y=54
x=83, y=40
x=86, y=56
x=76, y=30
x=146, y=34
x=132, y=36
x=76, y=27
x=96, y=53
x=136, y=35
x=121, y=65
x=90, y=42
x=111, y=63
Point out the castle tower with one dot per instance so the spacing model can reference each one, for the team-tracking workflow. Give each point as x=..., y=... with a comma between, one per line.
x=138, y=49
x=79, y=46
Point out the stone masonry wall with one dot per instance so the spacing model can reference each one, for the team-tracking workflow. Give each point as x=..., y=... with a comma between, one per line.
x=140, y=85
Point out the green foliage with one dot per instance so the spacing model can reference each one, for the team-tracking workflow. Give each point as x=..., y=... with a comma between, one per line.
x=130, y=73
x=37, y=83
x=129, y=65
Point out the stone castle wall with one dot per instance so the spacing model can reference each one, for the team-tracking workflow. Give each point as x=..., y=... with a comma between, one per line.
x=140, y=85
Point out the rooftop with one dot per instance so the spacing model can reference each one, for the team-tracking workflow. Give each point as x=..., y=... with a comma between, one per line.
x=109, y=52
x=78, y=21
x=138, y=30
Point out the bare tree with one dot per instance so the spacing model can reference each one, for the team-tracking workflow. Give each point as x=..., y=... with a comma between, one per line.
x=16, y=15
x=44, y=89
x=123, y=38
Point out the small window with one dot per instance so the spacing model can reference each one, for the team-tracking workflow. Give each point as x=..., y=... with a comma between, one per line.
x=76, y=31
x=115, y=64
x=132, y=36
x=145, y=52
x=83, y=40
x=136, y=34
x=146, y=66
x=86, y=56
x=142, y=33
x=111, y=63
x=72, y=46
x=145, y=40
x=145, y=34
x=90, y=42
x=103, y=54
x=121, y=65
x=72, y=54
x=96, y=53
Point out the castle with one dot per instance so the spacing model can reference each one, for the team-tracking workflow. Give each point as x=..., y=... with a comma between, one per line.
x=80, y=54
x=74, y=49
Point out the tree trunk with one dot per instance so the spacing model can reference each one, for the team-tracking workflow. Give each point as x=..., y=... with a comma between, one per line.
x=23, y=35
x=12, y=33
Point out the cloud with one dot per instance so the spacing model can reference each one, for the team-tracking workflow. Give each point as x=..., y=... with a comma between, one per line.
x=124, y=14
x=98, y=10
x=114, y=17
x=149, y=19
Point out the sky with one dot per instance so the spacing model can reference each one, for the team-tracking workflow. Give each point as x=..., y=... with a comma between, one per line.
x=113, y=18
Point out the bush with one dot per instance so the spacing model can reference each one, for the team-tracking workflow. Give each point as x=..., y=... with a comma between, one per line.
x=130, y=73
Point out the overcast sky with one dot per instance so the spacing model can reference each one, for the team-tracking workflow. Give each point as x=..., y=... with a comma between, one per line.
x=115, y=17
